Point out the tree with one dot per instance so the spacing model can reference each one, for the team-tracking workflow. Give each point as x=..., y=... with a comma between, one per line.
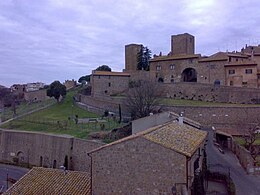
x=143, y=57
x=250, y=137
x=56, y=89
x=142, y=99
x=104, y=68
x=84, y=78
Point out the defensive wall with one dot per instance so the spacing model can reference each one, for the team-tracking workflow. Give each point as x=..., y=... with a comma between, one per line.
x=227, y=117
x=47, y=150
x=231, y=116
x=211, y=93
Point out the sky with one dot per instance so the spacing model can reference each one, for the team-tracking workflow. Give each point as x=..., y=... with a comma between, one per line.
x=47, y=40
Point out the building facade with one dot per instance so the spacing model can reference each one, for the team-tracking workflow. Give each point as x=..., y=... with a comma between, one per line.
x=155, y=161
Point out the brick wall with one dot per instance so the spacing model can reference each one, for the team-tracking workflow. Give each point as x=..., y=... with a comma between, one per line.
x=136, y=166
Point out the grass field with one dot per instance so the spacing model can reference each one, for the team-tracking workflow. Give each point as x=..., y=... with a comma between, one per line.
x=241, y=141
x=60, y=119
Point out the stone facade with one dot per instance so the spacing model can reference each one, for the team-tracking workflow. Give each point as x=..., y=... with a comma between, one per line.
x=36, y=96
x=39, y=149
x=69, y=84
x=141, y=165
x=109, y=83
x=137, y=167
x=182, y=44
x=131, y=52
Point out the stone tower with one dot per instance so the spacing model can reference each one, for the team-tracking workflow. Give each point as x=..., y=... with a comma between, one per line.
x=131, y=52
x=182, y=44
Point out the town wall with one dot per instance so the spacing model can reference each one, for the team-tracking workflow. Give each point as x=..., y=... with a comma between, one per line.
x=112, y=165
x=211, y=93
x=40, y=149
x=227, y=117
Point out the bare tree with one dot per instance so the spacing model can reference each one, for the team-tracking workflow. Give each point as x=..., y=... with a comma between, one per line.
x=249, y=138
x=142, y=98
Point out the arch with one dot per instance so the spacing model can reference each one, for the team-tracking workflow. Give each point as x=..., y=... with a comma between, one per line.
x=20, y=156
x=54, y=164
x=189, y=75
x=160, y=80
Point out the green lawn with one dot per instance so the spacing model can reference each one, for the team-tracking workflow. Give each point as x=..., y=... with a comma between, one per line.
x=24, y=107
x=60, y=119
x=241, y=141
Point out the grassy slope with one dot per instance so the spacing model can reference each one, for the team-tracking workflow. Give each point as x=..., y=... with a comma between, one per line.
x=55, y=120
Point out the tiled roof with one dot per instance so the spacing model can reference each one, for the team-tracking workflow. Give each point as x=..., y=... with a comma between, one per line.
x=41, y=181
x=184, y=139
x=181, y=138
x=175, y=57
x=108, y=73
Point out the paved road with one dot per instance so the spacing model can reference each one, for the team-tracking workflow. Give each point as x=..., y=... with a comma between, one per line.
x=12, y=171
x=245, y=184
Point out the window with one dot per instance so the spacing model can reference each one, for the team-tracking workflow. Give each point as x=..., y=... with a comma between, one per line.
x=231, y=71
x=231, y=83
x=248, y=71
x=172, y=66
x=229, y=59
x=258, y=76
x=158, y=67
x=109, y=77
x=99, y=77
x=190, y=61
x=109, y=84
x=244, y=84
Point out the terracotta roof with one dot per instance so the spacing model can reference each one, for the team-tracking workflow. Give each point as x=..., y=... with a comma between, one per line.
x=108, y=73
x=222, y=56
x=175, y=57
x=183, y=139
x=51, y=181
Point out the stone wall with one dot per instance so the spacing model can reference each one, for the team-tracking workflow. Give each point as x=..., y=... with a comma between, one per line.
x=243, y=156
x=101, y=103
x=136, y=166
x=211, y=93
x=39, y=149
x=228, y=117
x=35, y=96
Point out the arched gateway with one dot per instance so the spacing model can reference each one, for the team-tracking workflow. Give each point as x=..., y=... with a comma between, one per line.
x=189, y=75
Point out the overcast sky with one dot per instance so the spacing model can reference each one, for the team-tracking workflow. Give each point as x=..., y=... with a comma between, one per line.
x=47, y=40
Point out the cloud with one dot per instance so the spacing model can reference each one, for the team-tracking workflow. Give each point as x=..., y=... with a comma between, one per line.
x=62, y=39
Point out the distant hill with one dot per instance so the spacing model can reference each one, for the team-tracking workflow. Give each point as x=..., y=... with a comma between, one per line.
x=1, y=86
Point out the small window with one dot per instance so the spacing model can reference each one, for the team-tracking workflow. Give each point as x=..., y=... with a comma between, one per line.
x=172, y=66
x=244, y=84
x=229, y=59
x=248, y=71
x=99, y=77
x=109, y=84
x=236, y=60
x=158, y=67
x=258, y=76
x=231, y=83
x=190, y=61
x=172, y=80
x=109, y=77
x=231, y=71
x=106, y=91
x=172, y=76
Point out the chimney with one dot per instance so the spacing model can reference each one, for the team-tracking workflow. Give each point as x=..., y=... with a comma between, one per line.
x=180, y=119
